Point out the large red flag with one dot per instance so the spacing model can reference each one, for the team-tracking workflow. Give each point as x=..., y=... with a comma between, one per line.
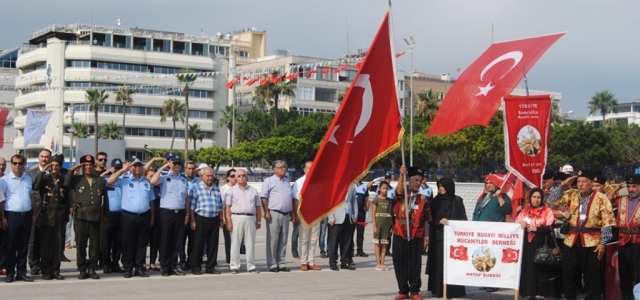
x=366, y=127
x=474, y=98
x=4, y=113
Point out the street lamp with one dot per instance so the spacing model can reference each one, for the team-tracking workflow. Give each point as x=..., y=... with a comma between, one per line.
x=411, y=43
x=565, y=116
x=72, y=131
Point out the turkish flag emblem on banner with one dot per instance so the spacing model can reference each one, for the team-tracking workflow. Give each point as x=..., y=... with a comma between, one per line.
x=510, y=255
x=366, y=127
x=526, y=131
x=458, y=252
x=474, y=97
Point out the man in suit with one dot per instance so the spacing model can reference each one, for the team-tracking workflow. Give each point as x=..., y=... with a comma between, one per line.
x=341, y=223
x=34, y=241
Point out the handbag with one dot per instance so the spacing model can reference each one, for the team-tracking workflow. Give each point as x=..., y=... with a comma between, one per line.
x=547, y=256
x=564, y=228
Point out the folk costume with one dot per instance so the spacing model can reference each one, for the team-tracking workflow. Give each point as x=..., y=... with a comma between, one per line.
x=628, y=222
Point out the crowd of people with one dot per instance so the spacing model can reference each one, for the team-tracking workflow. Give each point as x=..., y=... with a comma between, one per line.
x=117, y=213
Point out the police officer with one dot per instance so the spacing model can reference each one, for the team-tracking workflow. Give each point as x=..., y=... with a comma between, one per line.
x=174, y=208
x=112, y=231
x=187, y=233
x=89, y=209
x=53, y=216
x=137, y=216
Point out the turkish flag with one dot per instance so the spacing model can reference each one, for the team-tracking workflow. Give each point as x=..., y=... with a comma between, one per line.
x=366, y=127
x=4, y=113
x=275, y=79
x=401, y=53
x=232, y=82
x=326, y=70
x=510, y=255
x=292, y=75
x=340, y=69
x=517, y=199
x=265, y=80
x=311, y=72
x=526, y=136
x=474, y=97
x=505, y=182
x=252, y=80
x=458, y=252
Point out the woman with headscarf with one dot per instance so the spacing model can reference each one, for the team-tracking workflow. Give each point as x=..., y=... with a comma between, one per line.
x=537, y=219
x=445, y=206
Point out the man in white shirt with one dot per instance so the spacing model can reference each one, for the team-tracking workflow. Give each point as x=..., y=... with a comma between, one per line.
x=308, y=235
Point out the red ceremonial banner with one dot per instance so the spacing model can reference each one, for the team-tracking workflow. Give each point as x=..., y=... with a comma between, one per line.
x=475, y=96
x=526, y=131
x=611, y=275
x=366, y=127
x=4, y=113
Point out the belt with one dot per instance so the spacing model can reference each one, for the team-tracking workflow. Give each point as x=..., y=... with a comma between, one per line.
x=629, y=231
x=88, y=208
x=115, y=211
x=404, y=221
x=582, y=229
x=242, y=214
x=22, y=213
x=54, y=206
x=173, y=210
x=281, y=212
x=135, y=214
x=201, y=216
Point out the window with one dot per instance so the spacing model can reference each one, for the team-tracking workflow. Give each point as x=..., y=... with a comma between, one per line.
x=243, y=54
x=305, y=93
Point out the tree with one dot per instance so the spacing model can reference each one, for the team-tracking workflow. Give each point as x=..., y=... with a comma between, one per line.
x=110, y=131
x=172, y=108
x=568, y=145
x=80, y=130
x=288, y=148
x=342, y=94
x=214, y=156
x=96, y=98
x=557, y=118
x=604, y=102
x=228, y=113
x=270, y=93
x=428, y=104
x=123, y=97
x=253, y=126
x=195, y=133
x=443, y=147
x=186, y=77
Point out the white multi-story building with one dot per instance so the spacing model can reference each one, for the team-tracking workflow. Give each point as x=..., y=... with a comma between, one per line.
x=61, y=62
x=8, y=72
x=624, y=112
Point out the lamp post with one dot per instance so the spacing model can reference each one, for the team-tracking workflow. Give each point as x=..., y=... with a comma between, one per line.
x=411, y=43
x=565, y=116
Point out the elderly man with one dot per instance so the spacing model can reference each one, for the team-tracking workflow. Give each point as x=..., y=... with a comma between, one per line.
x=277, y=203
x=34, y=241
x=308, y=235
x=591, y=220
x=206, y=216
x=16, y=214
x=242, y=220
x=407, y=253
x=629, y=226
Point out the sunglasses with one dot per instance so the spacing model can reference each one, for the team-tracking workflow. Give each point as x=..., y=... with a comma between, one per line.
x=175, y=163
x=17, y=163
x=101, y=159
x=232, y=176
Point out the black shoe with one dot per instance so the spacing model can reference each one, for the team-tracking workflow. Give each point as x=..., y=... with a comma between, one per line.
x=284, y=269
x=36, y=270
x=46, y=277
x=388, y=253
x=116, y=269
x=93, y=274
x=214, y=271
x=296, y=255
x=65, y=259
x=347, y=266
x=235, y=271
x=482, y=288
x=127, y=274
x=57, y=276
x=334, y=267
x=24, y=278
x=323, y=254
x=176, y=272
x=9, y=279
x=254, y=271
x=184, y=266
x=274, y=270
x=106, y=269
x=83, y=275
x=196, y=272
x=362, y=254
x=491, y=290
x=141, y=273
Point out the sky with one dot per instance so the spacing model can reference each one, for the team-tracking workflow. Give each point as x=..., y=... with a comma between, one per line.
x=600, y=51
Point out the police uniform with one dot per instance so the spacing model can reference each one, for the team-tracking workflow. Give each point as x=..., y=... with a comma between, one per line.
x=136, y=221
x=89, y=206
x=362, y=196
x=52, y=219
x=187, y=233
x=112, y=230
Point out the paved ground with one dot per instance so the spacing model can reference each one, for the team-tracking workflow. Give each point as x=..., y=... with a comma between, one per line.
x=363, y=283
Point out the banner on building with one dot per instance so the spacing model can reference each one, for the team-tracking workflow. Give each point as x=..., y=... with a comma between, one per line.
x=37, y=121
x=526, y=136
x=486, y=254
x=4, y=113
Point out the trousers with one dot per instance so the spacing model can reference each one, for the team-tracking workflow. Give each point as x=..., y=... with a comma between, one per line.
x=171, y=226
x=207, y=232
x=277, y=235
x=340, y=237
x=308, y=240
x=87, y=234
x=17, y=239
x=112, y=240
x=135, y=236
x=407, y=263
x=244, y=228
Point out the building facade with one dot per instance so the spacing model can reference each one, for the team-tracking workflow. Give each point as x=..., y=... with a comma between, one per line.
x=628, y=112
x=61, y=62
x=8, y=73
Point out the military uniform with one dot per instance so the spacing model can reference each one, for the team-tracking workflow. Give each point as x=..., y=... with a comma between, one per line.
x=52, y=221
x=90, y=205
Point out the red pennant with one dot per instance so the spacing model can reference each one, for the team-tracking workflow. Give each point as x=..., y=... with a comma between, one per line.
x=347, y=150
x=510, y=255
x=311, y=72
x=340, y=69
x=401, y=53
x=293, y=75
x=326, y=70
x=475, y=97
x=265, y=80
x=275, y=79
x=458, y=253
x=232, y=82
x=252, y=80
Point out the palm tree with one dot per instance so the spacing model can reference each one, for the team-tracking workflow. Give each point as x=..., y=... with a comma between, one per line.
x=603, y=101
x=123, y=97
x=428, y=104
x=557, y=118
x=228, y=114
x=186, y=77
x=96, y=98
x=271, y=92
x=195, y=133
x=172, y=108
x=110, y=131
x=80, y=130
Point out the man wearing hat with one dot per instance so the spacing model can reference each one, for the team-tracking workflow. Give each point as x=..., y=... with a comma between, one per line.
x=591, y=220
x=137, y=216
x=407, y=253
x=628, y=222
x=53, y=216
x=112, y=231
x=89, y=209
x=174, y=208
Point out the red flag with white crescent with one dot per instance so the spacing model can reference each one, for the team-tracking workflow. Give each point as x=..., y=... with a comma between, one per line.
x=475, y=97
x=510, y=255
x=366, y=127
